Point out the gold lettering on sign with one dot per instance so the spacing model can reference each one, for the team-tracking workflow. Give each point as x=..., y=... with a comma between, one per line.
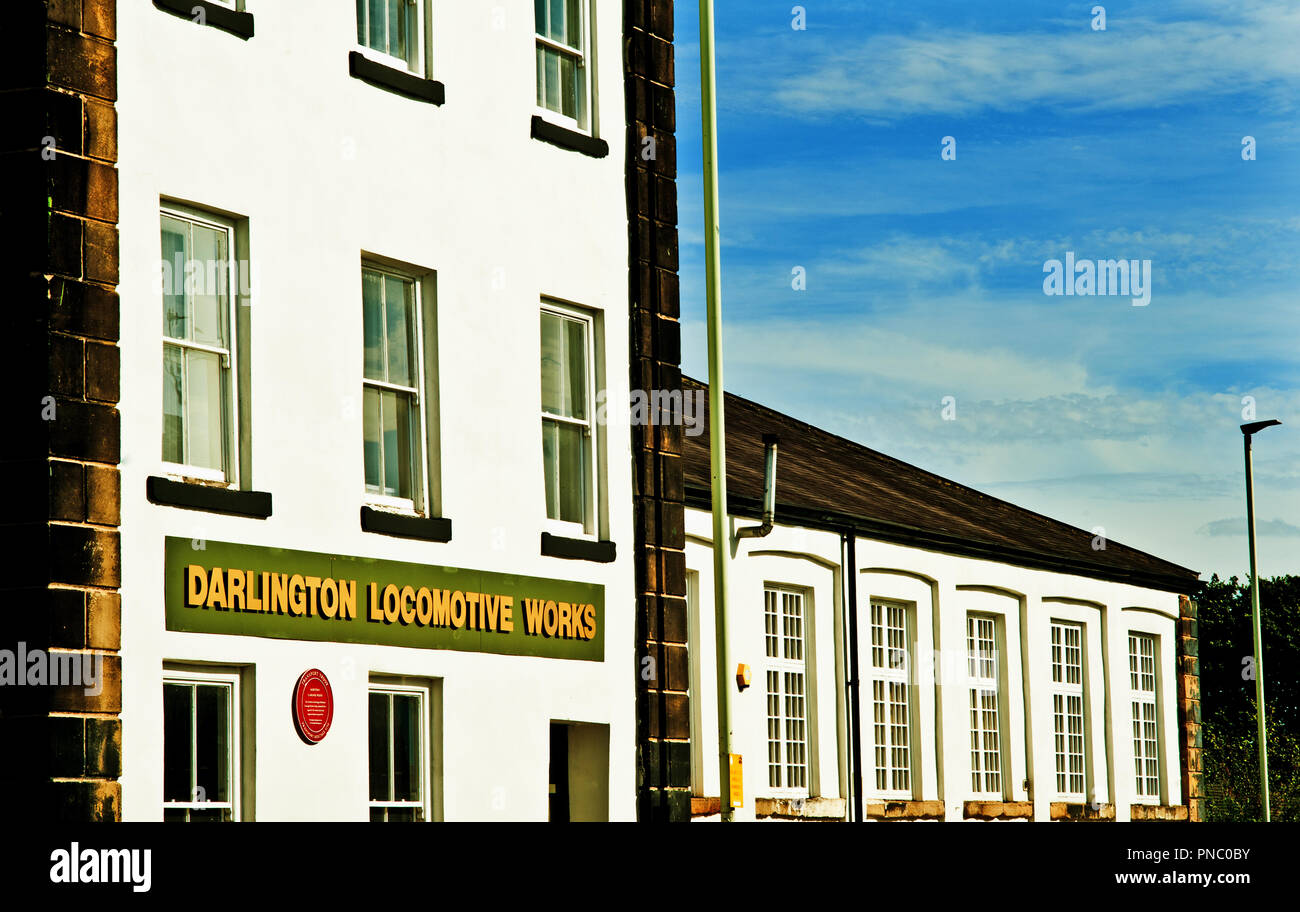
x=329, y=598
x=408, y=605
x=196, y=586
x=301, y=596
x=391, y=607
x=217, y=590
x=532, y=616
x=279, y=593
x=313, y=584
x=256, y=599
x=441, y=607
x=236, y=589
x=347, y=600
x=297, y=596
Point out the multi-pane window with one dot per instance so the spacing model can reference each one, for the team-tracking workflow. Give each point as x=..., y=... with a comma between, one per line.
x=1067, y=709
x=567, y=426
x=398, y=754
x=1146, y=730
x=787, y=692
x=985, y=729
x=563, y=71
x=199, y=407
x=392, y=418
x=393, y=29
x=891, y=717
x=200, y=748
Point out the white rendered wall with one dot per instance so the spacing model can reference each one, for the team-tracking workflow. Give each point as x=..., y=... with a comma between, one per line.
x=943, y=588
x=325, y=166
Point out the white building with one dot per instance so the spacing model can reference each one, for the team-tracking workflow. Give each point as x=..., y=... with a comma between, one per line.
x=1007, y=666
x=425, y=220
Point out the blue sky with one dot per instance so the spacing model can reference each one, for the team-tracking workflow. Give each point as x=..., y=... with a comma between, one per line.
x=925, y=276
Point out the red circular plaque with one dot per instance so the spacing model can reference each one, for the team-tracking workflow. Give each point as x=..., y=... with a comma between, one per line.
x=313, y=706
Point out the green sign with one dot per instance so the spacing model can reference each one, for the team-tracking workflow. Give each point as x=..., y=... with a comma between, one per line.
x=220, y=587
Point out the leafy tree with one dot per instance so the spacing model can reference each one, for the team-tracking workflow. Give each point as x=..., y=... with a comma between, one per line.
x=1230, y=756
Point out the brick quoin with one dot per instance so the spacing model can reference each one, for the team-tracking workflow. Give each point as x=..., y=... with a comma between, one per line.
x=1189, y=711
x=663, y=717
x=60, y=574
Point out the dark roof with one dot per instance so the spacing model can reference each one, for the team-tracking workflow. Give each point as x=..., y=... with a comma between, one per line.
x=825, y=481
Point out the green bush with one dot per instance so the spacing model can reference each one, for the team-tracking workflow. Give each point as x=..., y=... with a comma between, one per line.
x=1230, y=757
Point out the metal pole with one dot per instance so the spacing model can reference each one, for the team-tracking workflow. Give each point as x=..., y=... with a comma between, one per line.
x=1258, y=636
x=717, y=426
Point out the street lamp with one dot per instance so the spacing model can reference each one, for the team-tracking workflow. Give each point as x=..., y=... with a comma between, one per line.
x=1246, y=431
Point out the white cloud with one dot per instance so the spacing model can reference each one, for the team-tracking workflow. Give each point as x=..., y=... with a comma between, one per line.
x=853, y=348
x=1236, y=526
x=1136, y=63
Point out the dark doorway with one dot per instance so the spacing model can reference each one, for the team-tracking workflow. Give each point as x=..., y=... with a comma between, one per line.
x=559, y=773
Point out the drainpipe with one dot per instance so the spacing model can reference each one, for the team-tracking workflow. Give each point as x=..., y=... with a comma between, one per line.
x=855, y=711
x=845, y=750
x=769, y=492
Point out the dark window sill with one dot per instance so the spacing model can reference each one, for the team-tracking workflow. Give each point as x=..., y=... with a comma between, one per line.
x=214, y=14
x=437, y=529
x=548, y=132
x=602, y=552
x=395, y=80
x=164, y=491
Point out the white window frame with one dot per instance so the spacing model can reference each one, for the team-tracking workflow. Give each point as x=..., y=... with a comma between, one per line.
x=422, y=18
x=1068, y=684
x=778, y=671
x=229, y=474
x=984, y=682
x=222, y=679
x=586, y=65
x=888, y=670
x=695, y=691
x=1143, y=698
x=589, y=527
x=418, y=502
x=424, y=692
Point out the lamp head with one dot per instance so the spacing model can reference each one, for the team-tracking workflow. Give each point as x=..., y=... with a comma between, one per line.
x=1256, y=426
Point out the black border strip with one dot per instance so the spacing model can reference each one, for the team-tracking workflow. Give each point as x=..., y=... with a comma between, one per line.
x=699, y=498
x=164, y=491
x=548, y=132
x=434, y=529
x=395, y=80
x=602, y=552
x=236, y=22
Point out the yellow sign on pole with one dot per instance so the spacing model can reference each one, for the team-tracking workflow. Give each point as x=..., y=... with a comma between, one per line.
x=737, y=782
